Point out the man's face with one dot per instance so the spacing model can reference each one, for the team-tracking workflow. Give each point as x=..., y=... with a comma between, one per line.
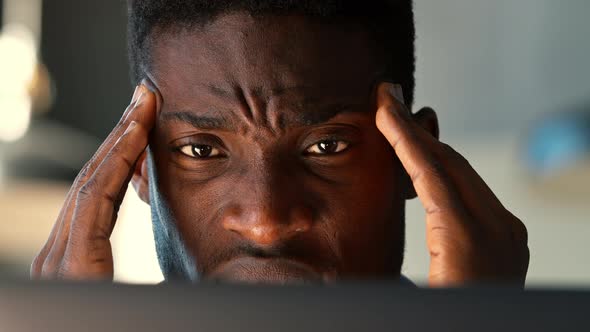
x=267, y=157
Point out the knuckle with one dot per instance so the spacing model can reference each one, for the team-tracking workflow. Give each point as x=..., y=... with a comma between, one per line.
x=48, y=268
x=118, y=155
x=87, y=190
x=447, y=148
x=521, y=231
x=37, y=265
x=432, y=169
x=63, y=271
x=116, y=150
x=86, y=171
x=436, y=167
x=450, y=152
x=124, y=121
x=68, y=265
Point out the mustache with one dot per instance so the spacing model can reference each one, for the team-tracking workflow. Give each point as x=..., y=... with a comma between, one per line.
x=312, y=254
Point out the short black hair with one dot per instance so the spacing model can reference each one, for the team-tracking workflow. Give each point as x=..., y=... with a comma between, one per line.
x=392, y=21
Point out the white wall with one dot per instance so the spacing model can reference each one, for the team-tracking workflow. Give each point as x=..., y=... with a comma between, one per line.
x=490, y=68
x=495, y=65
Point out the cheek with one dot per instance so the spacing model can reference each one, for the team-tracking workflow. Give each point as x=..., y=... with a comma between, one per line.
x=366, y=216
x=375, y=179
x=192, y=206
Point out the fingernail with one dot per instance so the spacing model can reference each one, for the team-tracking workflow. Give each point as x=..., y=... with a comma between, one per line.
x=141, y=92
x=397, y=92
x=135, y=94
x=132, y=125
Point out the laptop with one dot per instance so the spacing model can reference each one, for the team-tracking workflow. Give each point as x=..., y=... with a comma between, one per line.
x=346, y=307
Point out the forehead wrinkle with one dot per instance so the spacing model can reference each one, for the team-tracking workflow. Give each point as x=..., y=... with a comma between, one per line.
x=263, y=115
x=256, y=107
x=222, y=56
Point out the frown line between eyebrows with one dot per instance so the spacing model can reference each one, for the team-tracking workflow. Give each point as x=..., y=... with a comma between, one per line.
x=307, y=118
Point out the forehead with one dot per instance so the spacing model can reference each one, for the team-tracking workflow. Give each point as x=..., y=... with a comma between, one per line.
x=269, y=55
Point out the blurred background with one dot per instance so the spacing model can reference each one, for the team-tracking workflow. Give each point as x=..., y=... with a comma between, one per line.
x=509, y=79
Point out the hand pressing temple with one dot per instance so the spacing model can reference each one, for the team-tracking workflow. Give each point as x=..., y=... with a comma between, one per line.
x=79, y=244
x=470, y=236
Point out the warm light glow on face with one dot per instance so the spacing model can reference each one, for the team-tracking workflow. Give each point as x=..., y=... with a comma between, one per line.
x=18, y=59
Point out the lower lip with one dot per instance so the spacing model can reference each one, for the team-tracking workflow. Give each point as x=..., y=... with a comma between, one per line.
x=265, y=271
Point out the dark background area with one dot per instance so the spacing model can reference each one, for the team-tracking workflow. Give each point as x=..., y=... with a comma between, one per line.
x=86, y=56
x=83, y=46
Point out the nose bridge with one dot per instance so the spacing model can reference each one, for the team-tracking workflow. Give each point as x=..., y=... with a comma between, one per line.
x=272, y=187
x=271, y=209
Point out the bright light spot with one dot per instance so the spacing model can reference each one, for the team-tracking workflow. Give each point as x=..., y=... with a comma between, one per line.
x=15, y=113
x=18, y=59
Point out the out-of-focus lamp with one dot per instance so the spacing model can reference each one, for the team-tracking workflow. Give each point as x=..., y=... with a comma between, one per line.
x=18, y=59
x=24, y=82
x=558, y=154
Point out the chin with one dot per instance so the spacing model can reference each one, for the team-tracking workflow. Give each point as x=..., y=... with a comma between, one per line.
x=269, y=271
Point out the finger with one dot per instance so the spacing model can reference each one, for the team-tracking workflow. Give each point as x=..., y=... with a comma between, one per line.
x=430, y=180
x=103, y=149
x=481, y=201
x=139, y=178
x=39, y=260
x=48, y=260
x=60, y=229
x=474, y=192
x=100, y=197
x=97, y=204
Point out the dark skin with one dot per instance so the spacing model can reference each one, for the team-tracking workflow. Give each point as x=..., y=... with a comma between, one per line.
x=278, y=166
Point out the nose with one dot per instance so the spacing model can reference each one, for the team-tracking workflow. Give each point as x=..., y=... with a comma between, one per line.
x=263, y=227
x=271, y=212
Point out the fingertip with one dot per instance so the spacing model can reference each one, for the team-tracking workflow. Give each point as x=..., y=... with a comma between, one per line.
x=383, y=94
x=135, y=94
x=145, y=106
x=142, y=92
x=149, y=84
x=381, y=117
x=131, y=126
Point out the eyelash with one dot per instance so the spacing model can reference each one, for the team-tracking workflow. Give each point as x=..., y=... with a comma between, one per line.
x=341, y=146
x=190, y=150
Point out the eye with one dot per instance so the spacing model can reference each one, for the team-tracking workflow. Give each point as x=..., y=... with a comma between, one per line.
x=200, y=151
x=327, y=147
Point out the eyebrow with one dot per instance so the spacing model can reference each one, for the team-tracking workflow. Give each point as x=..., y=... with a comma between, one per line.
x=306, y=116
x=198, y=121
x=325, y=114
